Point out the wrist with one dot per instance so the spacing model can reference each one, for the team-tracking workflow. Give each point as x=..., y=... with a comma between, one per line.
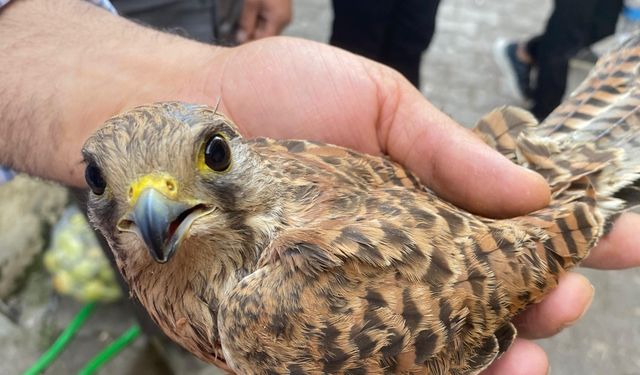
x=117, y=79
x=79, y=66
x=154, y=67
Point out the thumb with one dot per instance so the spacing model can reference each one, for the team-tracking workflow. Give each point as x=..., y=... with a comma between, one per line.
x=453, y=162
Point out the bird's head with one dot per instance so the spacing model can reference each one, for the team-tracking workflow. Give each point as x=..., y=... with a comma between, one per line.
x=166, y=174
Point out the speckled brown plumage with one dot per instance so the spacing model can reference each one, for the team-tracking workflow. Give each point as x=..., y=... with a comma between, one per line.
x=311, y=258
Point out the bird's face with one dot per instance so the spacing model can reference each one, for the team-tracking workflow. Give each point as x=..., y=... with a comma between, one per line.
x=166, y=174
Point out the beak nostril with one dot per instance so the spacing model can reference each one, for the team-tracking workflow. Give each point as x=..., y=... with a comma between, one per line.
x=125, y=225
x=170, y=185
x=131, y=192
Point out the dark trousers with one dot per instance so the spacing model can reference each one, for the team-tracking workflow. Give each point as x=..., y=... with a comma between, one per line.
x=573, y=25
x=195, y=19
x=393, y=32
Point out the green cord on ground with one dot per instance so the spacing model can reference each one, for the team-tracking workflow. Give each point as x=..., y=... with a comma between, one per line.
x=110, y=351
x=61, y=342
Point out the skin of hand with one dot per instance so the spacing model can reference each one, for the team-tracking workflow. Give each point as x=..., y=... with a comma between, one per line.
x=263, y=18
x=79, y=65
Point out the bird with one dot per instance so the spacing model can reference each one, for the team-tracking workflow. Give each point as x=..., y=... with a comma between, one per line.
x=266, y=256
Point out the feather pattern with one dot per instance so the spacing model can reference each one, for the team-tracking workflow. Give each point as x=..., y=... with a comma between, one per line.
x=314, y=259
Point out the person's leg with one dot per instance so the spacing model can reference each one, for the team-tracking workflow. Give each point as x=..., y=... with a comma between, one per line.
x=409, y=36
x=530, y=48
x=360, y=26
x=194, y=19
x=567, y=31
x=606, y=18
x=515, y=62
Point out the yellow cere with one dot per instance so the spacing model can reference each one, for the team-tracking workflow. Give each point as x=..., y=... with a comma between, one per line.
x=162, y=182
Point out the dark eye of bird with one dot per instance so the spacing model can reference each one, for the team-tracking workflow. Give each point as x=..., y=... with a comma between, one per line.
x=94, y=178
x=217, y=154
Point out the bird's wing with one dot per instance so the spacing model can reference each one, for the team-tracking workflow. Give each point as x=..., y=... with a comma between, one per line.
x=277, y=322
x=401, y=282
x=351, y=167
x=394, y=289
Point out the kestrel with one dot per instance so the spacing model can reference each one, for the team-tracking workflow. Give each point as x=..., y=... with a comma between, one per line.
x=292, y=257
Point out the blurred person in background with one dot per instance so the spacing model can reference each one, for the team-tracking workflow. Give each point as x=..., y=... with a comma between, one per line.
x=223, y=22
x=395, y=33
x=572, y=26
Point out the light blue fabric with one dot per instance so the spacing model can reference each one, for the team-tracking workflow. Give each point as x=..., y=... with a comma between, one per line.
x=632, y=14
x=103, y=3
x=5, y=173
x=106, y=4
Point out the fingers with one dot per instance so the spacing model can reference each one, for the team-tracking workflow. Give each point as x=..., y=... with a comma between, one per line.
x=620, y=248
x=561, y=308
x=523, y=358
x=275, y=15
x=457, y=165
x=248, y=21
x=263, y=18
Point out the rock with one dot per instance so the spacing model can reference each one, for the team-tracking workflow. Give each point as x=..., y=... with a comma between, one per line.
x=28, y=208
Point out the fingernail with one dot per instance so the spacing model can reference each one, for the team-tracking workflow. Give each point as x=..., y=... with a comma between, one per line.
x=532, y=173
x=537, y=177
x=593, y=292
x=529, y=171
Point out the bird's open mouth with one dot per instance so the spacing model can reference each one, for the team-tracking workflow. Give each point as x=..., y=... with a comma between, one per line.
x=179, y=227
x=161, y=223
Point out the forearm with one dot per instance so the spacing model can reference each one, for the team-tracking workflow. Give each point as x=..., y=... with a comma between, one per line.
x=66, y=66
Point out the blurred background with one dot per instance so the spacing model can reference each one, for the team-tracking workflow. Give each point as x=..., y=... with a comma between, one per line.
x=458, y=74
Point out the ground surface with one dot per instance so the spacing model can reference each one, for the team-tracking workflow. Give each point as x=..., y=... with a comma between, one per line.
x=460, y=78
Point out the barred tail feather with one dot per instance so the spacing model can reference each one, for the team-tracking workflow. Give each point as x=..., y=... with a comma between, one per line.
x=501, y=127
x=593, y=134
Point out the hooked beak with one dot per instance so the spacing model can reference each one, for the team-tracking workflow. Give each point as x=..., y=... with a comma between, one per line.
x=162, y=223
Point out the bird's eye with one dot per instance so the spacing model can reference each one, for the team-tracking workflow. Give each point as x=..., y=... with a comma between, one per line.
x=94, y=178
x=217, y=154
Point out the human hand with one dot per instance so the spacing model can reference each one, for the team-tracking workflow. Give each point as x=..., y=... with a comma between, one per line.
x=263, y=18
